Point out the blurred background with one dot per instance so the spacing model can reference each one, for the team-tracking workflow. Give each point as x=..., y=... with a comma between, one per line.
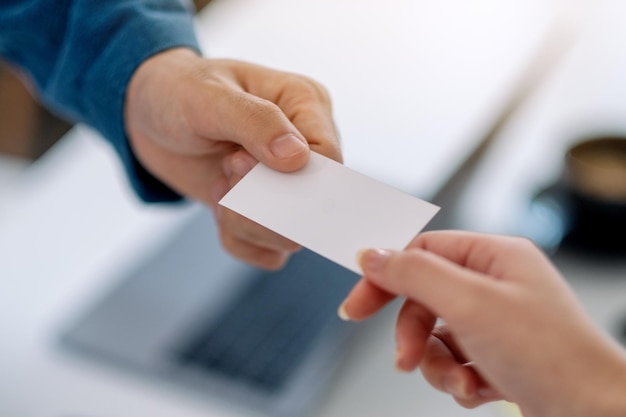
x=548, y=75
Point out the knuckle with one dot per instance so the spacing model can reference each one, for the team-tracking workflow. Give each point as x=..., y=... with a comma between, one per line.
x=260, y=257
x=258, y=109
x=463, y=312
x=308, y=89
x=405, y=264
x=516, y=244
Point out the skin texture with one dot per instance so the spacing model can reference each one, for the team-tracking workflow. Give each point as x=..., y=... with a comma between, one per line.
x=199, y=125
x=488, y=318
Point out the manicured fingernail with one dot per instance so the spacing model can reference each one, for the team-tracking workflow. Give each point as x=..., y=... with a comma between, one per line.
x=287, y=146
x=341, y=312
x=241, y=166
x=373, y=260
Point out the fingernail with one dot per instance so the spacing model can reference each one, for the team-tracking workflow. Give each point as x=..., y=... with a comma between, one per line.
x=398, y=360
x=241, y=166
x=341, y=312
x=373, y=260
x=287, y=146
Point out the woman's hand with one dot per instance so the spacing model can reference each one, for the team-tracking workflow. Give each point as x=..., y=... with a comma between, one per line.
x=511, y=327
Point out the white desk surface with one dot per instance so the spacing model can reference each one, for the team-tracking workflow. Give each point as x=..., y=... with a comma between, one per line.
x=414, y=82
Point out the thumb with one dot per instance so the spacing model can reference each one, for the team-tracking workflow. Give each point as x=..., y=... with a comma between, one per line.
x=262, y=128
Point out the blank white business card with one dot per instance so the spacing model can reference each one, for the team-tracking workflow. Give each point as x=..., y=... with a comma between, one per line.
x=330, y=209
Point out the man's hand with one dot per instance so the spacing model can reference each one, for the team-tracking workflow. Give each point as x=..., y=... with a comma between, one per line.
x=199, y=125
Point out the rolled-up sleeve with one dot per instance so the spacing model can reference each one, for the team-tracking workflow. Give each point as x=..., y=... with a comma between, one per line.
x=81, y=54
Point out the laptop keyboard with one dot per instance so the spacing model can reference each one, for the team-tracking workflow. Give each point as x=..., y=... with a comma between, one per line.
x=263, y=338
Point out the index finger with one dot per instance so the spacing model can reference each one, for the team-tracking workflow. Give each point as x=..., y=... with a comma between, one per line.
x=495, y=255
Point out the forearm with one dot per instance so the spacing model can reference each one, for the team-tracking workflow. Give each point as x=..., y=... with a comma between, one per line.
x=81, y=55
x=588, y=380
x=607, y=388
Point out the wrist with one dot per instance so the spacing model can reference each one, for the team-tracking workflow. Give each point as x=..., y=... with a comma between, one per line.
x=164, y=63
x=611, y=390
x=153, y=80
x=599, y=386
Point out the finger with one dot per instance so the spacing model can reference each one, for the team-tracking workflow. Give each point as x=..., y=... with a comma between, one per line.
x=237, y=165
x=363, y=301
x=260, y=255
x=482, y=387
x=241, y=228
x=219, y=188
x=413, y=327
x=448, y=290
x=442, y=332
x=493, y=255
x=256, y=255
x=441, y=369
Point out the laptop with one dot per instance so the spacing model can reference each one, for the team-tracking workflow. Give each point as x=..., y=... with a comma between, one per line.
x=190, y=314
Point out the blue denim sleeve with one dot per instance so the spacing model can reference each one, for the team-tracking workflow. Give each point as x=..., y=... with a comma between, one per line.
x=80, y=54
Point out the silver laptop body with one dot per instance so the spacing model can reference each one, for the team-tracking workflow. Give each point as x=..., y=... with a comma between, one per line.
x=191, y=315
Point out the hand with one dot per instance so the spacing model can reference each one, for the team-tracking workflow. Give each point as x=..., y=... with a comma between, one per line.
x=199, y=125
x=512, y=327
